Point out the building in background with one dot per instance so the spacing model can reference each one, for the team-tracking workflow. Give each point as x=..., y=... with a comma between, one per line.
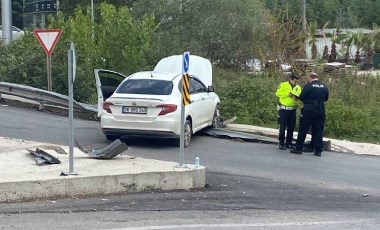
x=37, y=11
x=323, y=38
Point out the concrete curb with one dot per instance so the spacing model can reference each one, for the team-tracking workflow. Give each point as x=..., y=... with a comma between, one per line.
x=100, y=185
x=22, y=179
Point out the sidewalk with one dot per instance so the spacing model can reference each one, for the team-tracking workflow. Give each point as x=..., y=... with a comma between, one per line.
x=336, y=145
x=22, y=179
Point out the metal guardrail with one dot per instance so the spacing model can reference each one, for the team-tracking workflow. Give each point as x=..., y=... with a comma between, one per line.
x=43, y=97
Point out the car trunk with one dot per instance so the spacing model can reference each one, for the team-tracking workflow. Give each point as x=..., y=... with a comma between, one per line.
x=142, y=108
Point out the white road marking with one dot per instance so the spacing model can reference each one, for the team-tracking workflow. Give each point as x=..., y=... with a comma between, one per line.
x=240, y=225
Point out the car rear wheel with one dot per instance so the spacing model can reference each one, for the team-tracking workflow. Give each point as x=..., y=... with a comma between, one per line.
x=216, y=118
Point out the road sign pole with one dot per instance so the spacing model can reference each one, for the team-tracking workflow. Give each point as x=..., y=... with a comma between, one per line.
x=185, y=71
x=70, y=75
x=49, y=78
x=48, y=39
x=182, y=132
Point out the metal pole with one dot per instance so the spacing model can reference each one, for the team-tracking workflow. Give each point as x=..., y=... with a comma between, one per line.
x=182, y=131
x=304, y=15
x=6, y=17
x=92, y=11
x=49, y=78
x=303, y=2
x=71, y=112
x=92, y=18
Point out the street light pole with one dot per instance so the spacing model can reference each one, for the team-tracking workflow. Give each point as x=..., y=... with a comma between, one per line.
x=92, y=18
x=92, y=11
x=304, y=15
x=6, y=17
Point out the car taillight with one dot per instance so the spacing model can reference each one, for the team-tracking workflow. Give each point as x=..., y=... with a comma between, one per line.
x=167, y=108
x=106, y=106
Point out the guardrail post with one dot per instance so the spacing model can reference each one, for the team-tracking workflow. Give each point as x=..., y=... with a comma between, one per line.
x=41, y=106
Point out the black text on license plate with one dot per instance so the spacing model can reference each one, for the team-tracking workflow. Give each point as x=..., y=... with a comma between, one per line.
x=134, y=109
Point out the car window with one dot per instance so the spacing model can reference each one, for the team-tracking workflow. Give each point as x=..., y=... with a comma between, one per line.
x=146, y=86
x=109, y=79
x=196, y=86
x=14, y=28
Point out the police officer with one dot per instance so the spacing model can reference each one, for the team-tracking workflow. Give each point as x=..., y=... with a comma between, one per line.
x=314, y=95
x=287, y=94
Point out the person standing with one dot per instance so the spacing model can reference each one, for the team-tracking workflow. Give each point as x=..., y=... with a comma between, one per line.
x=314, y=95
x=287, y=94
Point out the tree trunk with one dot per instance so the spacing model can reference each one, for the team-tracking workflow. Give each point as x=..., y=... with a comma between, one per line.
x=314, y=51
x=357, y=56
x=325, y=54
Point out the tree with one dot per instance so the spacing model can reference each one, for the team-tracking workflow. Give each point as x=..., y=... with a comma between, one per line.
x=68, y=7
x=336, y=38
x=121, y=44
x=325, y=54
x=310, y=36
x=229, y=32
x=349, y=40
x=358, y=42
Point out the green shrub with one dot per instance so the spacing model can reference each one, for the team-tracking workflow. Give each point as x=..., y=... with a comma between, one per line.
x=251, y=99
x=346, y=121
x=352, y=111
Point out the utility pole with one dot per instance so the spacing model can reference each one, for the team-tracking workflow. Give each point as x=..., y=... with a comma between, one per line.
x=303, y=3
x=303, y=10
x=6, y=17
x=92, y=18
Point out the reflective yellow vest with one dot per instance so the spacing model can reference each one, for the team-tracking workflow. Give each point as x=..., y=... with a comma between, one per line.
x=283, y=94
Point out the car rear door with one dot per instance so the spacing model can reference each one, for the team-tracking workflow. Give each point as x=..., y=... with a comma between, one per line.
x=106, y=83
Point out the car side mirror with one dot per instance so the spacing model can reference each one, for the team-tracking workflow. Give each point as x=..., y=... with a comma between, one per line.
x=210, y=89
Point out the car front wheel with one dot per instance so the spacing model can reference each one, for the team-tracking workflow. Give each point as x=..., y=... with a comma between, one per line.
x=216, y=117
x=188, y=133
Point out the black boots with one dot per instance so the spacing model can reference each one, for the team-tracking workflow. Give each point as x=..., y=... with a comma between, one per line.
x=290, y=146
x=285, y=146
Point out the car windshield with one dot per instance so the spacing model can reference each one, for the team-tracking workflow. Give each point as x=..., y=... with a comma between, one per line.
x=146, y=86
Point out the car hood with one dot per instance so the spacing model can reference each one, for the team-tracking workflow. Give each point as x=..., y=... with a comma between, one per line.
x=198, y=66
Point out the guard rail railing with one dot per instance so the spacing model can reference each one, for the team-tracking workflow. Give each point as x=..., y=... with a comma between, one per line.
x=43, y=97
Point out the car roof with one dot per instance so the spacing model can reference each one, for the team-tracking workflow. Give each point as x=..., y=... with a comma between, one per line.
x=198, y=66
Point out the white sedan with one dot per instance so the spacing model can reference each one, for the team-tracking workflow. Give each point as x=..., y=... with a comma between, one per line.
x=16, y=32
x=148, y=104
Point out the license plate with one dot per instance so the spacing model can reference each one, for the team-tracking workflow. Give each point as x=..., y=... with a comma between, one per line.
x=134, y=109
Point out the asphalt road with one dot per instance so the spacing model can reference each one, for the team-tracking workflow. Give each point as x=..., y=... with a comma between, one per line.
x=249, y=186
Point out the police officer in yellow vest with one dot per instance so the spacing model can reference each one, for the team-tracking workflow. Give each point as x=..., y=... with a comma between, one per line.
x=287, y=94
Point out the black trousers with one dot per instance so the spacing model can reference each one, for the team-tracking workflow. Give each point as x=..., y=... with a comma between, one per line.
x=315, y=121
x=287, y=121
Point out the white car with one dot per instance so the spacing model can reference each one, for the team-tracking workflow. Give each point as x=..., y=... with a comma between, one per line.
x=16, y=32
x=148, y=104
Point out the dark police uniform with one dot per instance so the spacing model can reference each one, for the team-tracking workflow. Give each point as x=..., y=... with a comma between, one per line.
x=314, y=95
